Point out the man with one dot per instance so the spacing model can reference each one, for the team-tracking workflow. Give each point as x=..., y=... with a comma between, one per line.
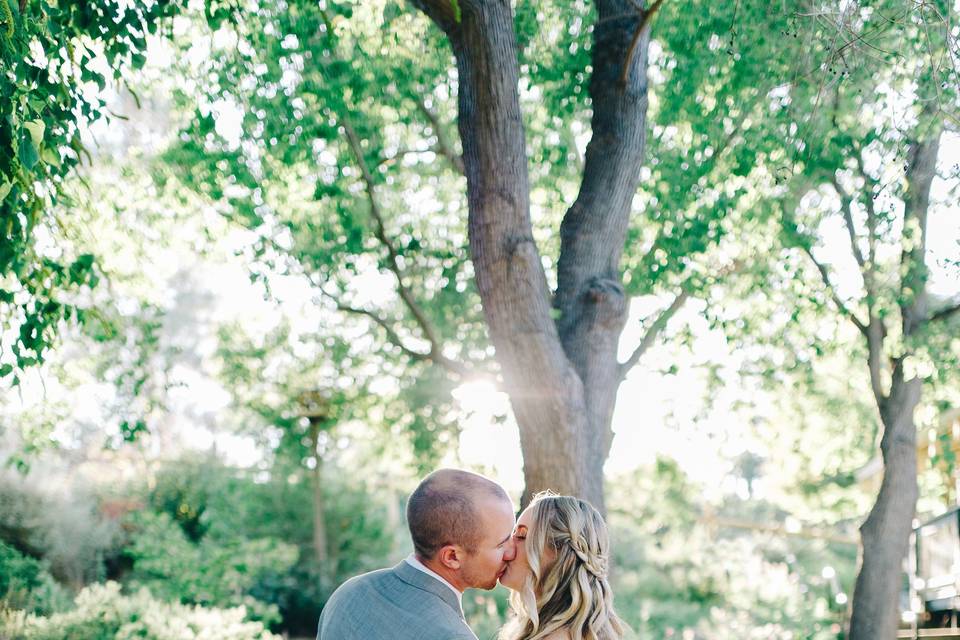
x=462, y=529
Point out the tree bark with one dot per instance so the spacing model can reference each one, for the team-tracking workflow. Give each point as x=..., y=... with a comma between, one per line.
x=562, y=377
x=886, y=531
x=590, y=296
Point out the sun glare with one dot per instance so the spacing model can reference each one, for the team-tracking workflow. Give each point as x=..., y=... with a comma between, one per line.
x=489, y=439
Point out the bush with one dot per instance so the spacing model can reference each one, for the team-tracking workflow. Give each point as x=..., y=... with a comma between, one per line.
x=17, y=571
x=56, y=518
x=25, y=584
x=211, y=572
x=218, y=507
x=103, y=613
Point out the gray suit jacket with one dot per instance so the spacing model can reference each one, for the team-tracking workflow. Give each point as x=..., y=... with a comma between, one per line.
x=401, y=603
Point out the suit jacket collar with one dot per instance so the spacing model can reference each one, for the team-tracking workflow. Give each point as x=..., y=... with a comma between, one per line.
x=416, y=578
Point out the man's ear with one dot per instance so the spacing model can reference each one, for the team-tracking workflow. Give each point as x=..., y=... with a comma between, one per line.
x=450, y=556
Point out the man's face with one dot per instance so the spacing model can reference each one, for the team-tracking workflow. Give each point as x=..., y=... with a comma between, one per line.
x=482, y=569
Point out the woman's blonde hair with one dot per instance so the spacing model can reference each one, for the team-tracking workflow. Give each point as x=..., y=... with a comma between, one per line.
x=568, y=551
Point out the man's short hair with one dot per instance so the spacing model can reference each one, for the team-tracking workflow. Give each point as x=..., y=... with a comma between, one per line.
x=442, y=510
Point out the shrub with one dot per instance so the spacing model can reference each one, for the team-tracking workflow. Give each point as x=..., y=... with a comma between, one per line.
x=220, y=508
x=103, y=613
x=25, y=584
x=57, y=518
x=218, y=573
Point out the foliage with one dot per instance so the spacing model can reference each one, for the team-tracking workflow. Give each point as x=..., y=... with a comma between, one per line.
x=134, y=350
x=290, y=173
x=210, y=573
x=844, y=174
x=712, y=148
x=315, y=382
x=363, y=533
x=26, y=585
x=102, y=612
x=200, y=508
x=182, y=491
x=56, y=58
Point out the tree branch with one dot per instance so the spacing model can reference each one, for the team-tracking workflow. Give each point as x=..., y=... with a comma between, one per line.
x=875, y=325
x=447, y=14
x=921, y=170
x=846, y=203
x=658, y=325
x=825, y=276
x=392, y=336
x=871, y=211
x=442, y=11
x=443, y=143
x=450, y=365
x=946, y=313
x=436, y=349
x=661, y=321
x=628, y=59
x=875, y=330
x=875, y=333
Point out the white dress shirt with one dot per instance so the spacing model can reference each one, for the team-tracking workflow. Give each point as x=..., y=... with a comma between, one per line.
x=416, y=564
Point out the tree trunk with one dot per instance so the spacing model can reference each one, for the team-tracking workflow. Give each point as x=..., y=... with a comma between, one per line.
x=562, y=377
x=319, y=524
x=319, y=509
x=886, y=532
x=590, y=296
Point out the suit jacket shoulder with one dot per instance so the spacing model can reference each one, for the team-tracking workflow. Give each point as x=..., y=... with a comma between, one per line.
x=401, y=603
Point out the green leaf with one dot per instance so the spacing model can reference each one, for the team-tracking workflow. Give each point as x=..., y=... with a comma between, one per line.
x=5, y=370
x=130, y=431
x=36, y=129
x=5, y=189
x=28, y=154
x=80, y=269
x=391, y=12
x=51, y=157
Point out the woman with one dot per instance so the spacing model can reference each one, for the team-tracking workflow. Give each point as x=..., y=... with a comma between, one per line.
x=559, y=575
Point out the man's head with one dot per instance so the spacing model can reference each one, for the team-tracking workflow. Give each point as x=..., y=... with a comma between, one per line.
x=462, y=524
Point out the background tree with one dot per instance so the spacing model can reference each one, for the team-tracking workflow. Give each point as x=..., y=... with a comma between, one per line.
x=306, y=401
x=868, y=182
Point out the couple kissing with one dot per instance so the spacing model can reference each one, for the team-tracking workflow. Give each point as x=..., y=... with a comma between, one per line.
x=554, y=559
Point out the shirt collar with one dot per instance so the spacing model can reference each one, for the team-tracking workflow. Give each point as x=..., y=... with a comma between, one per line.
x=416, y=564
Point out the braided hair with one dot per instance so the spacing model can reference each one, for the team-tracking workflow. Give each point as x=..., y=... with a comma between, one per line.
x=568, y=551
